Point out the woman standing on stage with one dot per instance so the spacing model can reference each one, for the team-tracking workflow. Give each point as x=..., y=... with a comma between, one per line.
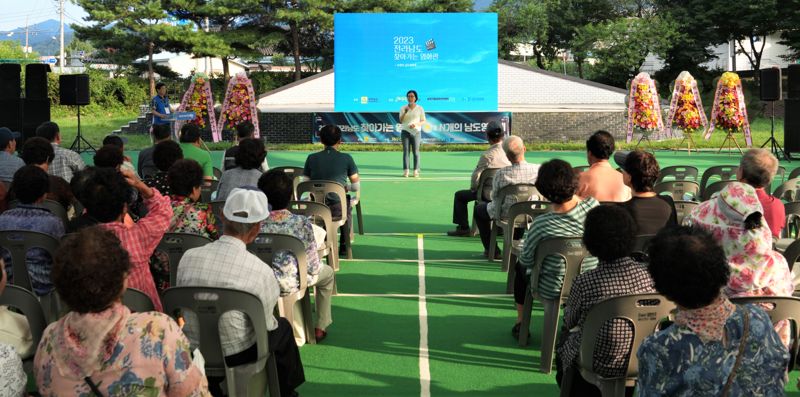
x=412, y=117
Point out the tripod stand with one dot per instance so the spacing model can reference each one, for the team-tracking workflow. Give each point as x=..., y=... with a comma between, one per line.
x=76, y=144
x=775, y=147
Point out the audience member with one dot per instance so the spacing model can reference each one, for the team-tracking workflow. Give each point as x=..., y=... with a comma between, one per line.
x=9, y=162
x=714, y=348
x=735, y=220
x=279, y=189
x=188, y=214
x=492, y=158
x=30, y=186
x=608, y=235
x=520, y=171
x=165, y=154
x=38, y=151
x=66, y=162
x=244, y=130
x=109, y=156
x=12, y=377
x=249, y=157
x=105, y=200
x=145, y=165
x=100, y=348
x=557, y=183
x=119, y=141
x=601, y=181
x=227, y=263
x=332, y=165
x=78, y=186
x=191, y=147
x=757, y=169
x=651, y=211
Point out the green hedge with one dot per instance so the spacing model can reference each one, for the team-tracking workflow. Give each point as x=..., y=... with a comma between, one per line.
x=108, y=95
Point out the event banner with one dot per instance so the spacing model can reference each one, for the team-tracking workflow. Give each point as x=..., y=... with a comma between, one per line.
x=438, y=128
x=450, y=59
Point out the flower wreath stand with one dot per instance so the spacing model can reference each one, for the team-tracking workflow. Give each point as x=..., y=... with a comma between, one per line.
x=729, y=112
x=686, y=110
x=644, y=109
x=199, y=99
x=239, y=105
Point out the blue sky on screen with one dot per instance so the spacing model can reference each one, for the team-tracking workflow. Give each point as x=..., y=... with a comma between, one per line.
x=450, y=59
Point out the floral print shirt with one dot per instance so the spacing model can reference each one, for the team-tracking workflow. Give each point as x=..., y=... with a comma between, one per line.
x=676, y=362
x=284, y=263
x=124, y=354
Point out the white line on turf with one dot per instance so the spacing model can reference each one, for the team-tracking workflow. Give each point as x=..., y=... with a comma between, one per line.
x=413, y=260
x=345, y=295
x=424, y=365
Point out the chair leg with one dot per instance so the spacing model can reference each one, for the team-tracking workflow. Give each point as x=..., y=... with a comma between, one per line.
x=566, y=382
x=473, y=230
x=492, y=241
x=511, y=275
x=526, y=318
x=549, y=330
x=508, y=236
x=272, y=376
x=308, y=318
x=360, y=219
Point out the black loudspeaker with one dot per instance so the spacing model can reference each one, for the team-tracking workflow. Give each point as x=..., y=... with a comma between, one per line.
x=11, y=114
x=10, y=81
x=770, y=84
x=794, y=81
x=791, y=126
x=36, y=80
x=73, y=89
x=34, y=113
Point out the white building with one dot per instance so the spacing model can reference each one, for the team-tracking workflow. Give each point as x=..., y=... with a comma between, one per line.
x=185, y=64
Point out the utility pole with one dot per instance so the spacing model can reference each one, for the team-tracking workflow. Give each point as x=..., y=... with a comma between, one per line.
x=61, y=47
x=207, y=61
x=25, y=50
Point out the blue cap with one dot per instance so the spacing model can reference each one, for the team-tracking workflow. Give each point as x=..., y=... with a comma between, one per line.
x=6, y=136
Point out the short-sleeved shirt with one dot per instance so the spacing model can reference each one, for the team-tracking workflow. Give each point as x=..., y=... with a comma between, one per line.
x=145, y=165
x=160, y=105
x=774, y=211
x=330, y=165
x=9, y=164
x=412, y=116
x=203, y=157
x=652, y=213
x=65, y=163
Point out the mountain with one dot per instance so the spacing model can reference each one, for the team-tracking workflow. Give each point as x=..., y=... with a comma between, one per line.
x=40, y=36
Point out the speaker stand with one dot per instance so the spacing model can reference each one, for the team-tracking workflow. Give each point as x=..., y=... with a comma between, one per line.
x=775, y=147
x=76, y=144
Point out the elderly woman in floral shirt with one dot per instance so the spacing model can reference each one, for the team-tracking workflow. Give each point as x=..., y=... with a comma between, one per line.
x=185, y=178
x=734, y=218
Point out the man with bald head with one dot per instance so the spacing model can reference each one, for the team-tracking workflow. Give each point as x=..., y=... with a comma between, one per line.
x=757, y=168
x=520, y=171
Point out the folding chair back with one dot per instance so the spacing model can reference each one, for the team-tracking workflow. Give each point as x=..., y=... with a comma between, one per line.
x=318, y=190
x=679, y=190
x=572, y=252
x=780, y=308
x=678, y=173
x=207, y=189
x=207, y=305
x=265, y=247
x=320, y=215
x=520, y=214
x=644, y=312
x=216, y=208
x=217, y=172
x=484, y=192
x=25, y=301
x=792, y=254
x=513, y=193
x=296, y=173
x=792, y=229
x=579, y=168
x=53, y=206
x=717, y=173
x=714, y=188
x=137, y=301
x=175, y=245
x=787, y=191
x=18, y=243
x=642, y=242
x=684, y=208
x=795, y=173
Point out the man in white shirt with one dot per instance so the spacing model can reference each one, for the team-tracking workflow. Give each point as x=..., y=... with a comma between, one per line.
x=493, y=157
x=226, y=263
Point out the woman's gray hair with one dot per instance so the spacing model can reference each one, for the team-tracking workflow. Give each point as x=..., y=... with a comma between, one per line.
x=758, y=167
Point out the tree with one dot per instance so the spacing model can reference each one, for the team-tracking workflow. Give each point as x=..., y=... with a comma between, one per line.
x=749, y=21
x=126, y=30
x=77, y=45
x=521, y=22
x=789, y=10
x=309, y=21
x=621, y=46
x=10, y=49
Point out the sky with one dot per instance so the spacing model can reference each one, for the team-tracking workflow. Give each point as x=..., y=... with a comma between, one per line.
x=15, y=12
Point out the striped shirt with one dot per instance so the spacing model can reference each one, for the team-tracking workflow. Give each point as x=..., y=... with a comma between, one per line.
x=522, y=172
x=550, y=225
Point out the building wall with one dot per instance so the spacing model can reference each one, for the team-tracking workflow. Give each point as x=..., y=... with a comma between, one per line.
x=532, y=127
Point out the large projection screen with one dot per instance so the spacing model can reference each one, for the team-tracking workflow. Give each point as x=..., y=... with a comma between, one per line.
x=449, y=59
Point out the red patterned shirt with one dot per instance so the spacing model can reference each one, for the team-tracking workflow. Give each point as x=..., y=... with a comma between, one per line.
x=141, y=239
